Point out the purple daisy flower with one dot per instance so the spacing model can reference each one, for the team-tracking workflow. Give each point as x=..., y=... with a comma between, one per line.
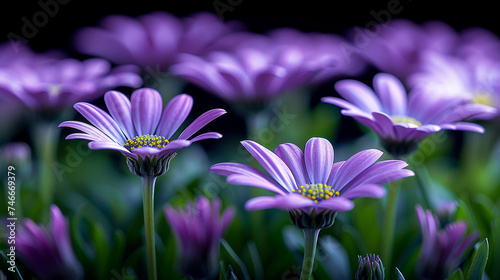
x=47, y=251
x=14, y=53
x=256, y=67
x=442, y=249
x=198, y=230
x=154, y=39
x=138, y=129
x=402, y=121
x=310, y=182
x=56, y=84
x=475, y=80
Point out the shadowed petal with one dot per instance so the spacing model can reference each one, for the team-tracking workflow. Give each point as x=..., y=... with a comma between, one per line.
x=284, y=202
x=108, y=145
x=174, y=115
x=385, y=124
x=174, y=146
x=335, y=204
x=367, y=190
x=101, y=120
x=119, y=107
x=278, y=170
x=200, y=122
x=293, y=157
x=319, y=157
x=392, y=93
x=464, y=126
x=146, y=110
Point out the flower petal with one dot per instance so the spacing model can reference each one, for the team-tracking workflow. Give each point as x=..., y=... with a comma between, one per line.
x=335, y=204
x=367, y=190
x=246, y=180
x=200, y=122
x=278, y=170
x=109, y=145
x=119, y=107
x=284, y=202
x=174, y=115
x=354, y=166
x=293, y=157
x=359, y=94
x=319, y=156
x=146, y=110
x=174, y=146
x=208, y=135
x=101, y=120
x=88, y=129
x=392, y=94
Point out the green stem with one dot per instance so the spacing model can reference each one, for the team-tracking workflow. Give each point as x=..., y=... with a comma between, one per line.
x=47, y=135
x=148, y=190
x=422, y=176
x=390, y=222
x=311, y=240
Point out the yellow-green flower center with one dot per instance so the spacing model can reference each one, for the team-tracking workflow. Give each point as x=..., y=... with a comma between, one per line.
x=317, y=192
x=405, y=119
x=147, y=140
x=483, y=98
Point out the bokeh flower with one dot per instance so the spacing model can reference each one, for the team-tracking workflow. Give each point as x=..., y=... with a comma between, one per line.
x=138, y=129
x=259, y=67
x=154, y=39
x=370, y=268
x=48, y=251
x=56, y=84
x=443, y=250
x=402, y=120
x=198, y=230
x=309, y=184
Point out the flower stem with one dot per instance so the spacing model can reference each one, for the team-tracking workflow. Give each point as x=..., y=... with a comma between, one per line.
x=47, y=135
x=311, y=240
x=390, y=222
x=148, y=190
x=422, y=176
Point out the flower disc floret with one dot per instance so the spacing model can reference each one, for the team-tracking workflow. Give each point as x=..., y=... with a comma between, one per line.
x=148, y=140
x=317, y=192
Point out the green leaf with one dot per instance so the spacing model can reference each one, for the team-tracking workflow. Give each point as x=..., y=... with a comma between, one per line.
x=457, y=275
x=399, y=274
x=479, y=261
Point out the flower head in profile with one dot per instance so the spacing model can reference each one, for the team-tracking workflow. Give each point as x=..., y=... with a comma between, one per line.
x=309, y=184
x=154, y=39
x=370, y=268
x=402, y=120
x=257, y=67
x=140, y=130
x=442, y=250
x=47, y=251
x=56, y=84
x=198, y=230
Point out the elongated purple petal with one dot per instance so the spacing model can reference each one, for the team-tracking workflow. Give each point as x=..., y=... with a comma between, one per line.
x=278, y=170
x=367, y=190
x=200, y=122
x=246, y=180
x=174, y=146
x=392, y=94
x=146, y=110
x=101, y=120
x=319, y=158
x=381, y=173
x=88, y=129
x=293, y=157
x=120, y=109
x=463, y=126
x=385, y=124
x=284, y=202
x=358, y=94
x=354, y=166
x=208, y=135
x=335, y=204
x=109, y=145
x=174, y=115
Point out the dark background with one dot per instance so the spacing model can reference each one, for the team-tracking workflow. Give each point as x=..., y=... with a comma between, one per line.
x=259, y=16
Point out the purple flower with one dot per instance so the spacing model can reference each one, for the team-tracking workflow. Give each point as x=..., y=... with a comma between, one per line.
x=16, y=153
x=310, y=182
x=138, y=129
x=198, y=230
x=400, y=120
x=154, y=39
x=395, y=47
x=370, y=268
x=56, y=84
x=254, y=67
x=475, y=80
x=442, y=249
x=13, y=53
x=47, y=251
